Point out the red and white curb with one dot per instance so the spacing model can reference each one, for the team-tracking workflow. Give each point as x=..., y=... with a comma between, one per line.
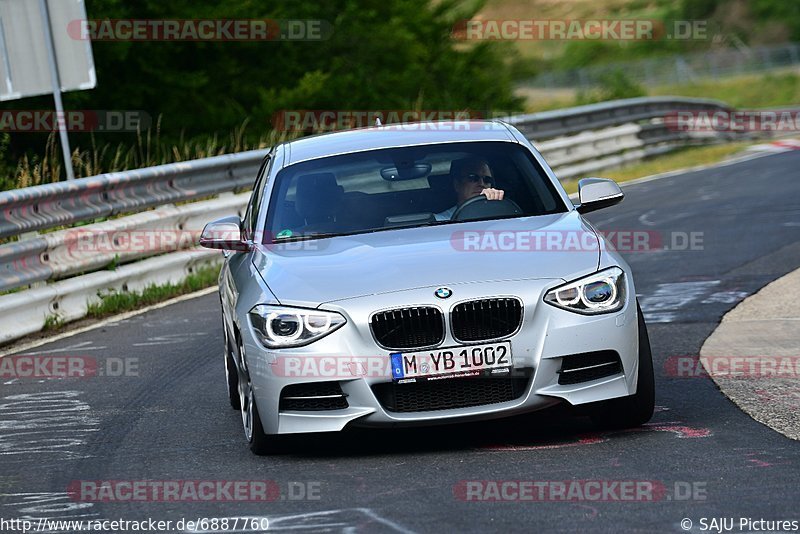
x=784, y=145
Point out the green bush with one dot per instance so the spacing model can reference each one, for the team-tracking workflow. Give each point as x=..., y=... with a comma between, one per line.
x=380, y=55
x=7, y=179
x=613, y=85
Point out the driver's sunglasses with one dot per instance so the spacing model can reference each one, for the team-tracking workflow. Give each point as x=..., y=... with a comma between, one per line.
x=477, y=178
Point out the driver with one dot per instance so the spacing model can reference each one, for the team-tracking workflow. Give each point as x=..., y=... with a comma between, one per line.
x=471, y=177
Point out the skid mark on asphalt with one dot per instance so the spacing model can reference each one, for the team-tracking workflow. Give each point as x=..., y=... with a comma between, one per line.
x=590, y=513
x=679, y=430
x=46, y=506
x=53, y=426
x=56, y=424
x=725, y=297
x=646, y=218
x=756, y=462
x=348, y=520
x=182, y=338
x=761, y=459
x=665, y=303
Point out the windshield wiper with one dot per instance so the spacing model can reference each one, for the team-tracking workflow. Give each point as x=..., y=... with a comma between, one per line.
x=323, y=235
x=305, y=237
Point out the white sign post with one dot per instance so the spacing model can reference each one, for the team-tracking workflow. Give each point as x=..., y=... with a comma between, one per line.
x=39, y=56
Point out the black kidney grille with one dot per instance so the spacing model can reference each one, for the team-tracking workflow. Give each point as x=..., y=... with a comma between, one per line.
x=407, y=328
x=449, y=393
x=478, y=320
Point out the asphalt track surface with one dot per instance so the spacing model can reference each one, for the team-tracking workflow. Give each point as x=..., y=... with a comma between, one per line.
x=169, y=419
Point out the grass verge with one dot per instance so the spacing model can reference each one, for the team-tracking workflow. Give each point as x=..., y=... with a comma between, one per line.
x=52, y=322
x=742, y=92
x=147, y=150
x=679, y=159
x=751, y=91
x=121, y=301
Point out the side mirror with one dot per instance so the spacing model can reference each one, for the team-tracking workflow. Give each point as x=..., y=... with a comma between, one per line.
x=598, y=193
x=225, y=234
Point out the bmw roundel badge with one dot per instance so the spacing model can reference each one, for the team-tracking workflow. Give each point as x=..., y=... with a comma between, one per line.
x=443, y=292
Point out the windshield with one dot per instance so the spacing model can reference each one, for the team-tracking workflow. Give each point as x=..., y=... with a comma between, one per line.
x=406, y=187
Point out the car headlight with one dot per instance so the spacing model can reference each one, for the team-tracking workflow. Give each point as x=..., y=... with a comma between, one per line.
x=281, y=327
x=601, y=292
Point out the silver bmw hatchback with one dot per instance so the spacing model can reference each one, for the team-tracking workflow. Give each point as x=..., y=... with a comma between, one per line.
x=423, y=273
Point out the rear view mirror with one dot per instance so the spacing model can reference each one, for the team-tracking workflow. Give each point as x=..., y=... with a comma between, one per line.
x=406, y=172
x=598, y=193
x=225, y=234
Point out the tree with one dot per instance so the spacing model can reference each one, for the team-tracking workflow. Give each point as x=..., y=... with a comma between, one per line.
x=380, y=55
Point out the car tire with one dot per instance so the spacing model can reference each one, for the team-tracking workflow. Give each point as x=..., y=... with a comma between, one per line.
x=260, y=443
x=232, y=381
x=637, y=409
x=231, y=374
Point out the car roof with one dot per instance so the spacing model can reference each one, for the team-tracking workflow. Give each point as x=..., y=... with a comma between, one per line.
x=394, y=135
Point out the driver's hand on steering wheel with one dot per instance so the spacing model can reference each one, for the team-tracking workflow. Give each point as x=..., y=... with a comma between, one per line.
x=493, y=194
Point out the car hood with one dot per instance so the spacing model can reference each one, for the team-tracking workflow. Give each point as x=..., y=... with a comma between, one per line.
x=314, y=272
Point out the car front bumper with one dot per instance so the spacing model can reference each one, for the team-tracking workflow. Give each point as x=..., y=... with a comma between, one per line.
x=546, y=337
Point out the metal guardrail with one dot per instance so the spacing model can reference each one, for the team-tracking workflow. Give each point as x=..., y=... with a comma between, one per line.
x=26, y=312
x=64, y=203
x=57, y=255
x=575, y=141
x=547, y=124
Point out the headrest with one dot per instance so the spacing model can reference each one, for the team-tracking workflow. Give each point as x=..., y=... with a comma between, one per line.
x=441, y=182
x=317, y=195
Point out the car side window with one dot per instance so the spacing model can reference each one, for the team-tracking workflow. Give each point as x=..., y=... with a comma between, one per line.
x=254, y=206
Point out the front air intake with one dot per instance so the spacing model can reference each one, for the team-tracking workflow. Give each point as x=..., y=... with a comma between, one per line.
x=589, y=366
x=313, y=396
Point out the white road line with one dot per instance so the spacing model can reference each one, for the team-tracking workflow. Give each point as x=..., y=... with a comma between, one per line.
x=84, y=346
x=644, y=218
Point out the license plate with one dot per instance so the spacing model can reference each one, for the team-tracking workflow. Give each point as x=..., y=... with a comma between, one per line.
x=452, y=362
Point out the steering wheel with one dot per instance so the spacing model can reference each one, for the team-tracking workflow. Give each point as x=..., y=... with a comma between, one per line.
x=480, y=207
